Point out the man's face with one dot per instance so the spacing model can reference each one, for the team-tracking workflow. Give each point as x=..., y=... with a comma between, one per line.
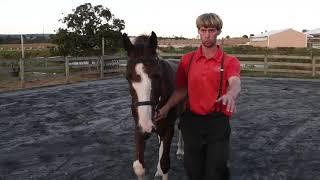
x=208, y=36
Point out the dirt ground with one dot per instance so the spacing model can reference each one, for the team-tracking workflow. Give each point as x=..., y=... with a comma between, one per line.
x=85, y=131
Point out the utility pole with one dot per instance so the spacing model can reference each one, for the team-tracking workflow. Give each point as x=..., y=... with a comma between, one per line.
x=22, y=48
x=21, y=64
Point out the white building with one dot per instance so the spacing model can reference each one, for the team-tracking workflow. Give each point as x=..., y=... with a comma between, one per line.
x=314, y=38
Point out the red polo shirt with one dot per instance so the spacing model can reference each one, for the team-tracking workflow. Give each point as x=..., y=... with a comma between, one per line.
x=203, y=79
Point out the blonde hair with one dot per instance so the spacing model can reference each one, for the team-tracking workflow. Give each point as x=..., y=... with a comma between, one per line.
x=209, y=20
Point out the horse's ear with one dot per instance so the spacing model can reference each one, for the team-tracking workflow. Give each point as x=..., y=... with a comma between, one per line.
x=153, y=42
x=127, y=43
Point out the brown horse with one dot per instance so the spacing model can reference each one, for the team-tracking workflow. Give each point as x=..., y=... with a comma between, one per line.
x=151, y=83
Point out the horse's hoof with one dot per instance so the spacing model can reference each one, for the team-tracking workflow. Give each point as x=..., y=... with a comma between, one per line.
x=180, y=156
x=180, y=153
x=158, y=174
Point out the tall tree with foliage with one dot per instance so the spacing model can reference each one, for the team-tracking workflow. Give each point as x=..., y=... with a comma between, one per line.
x=84, y=30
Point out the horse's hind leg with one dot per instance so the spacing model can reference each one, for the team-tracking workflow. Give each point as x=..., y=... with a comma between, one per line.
x=138, y=164
x=180, y=150
x=164, y=154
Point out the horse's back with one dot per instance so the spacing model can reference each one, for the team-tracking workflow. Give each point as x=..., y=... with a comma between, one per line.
x=173, y=66
x=168, y=75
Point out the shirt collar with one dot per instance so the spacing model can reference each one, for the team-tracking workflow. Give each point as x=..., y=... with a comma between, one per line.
x=217, y=57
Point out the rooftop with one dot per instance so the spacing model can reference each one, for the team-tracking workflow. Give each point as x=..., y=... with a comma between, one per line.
x=268, y=33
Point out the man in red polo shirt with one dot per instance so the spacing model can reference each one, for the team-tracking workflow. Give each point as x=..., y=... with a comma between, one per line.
x=210, y=81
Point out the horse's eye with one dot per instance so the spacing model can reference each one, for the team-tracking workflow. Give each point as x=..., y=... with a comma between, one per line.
x=128, y=76
x=133, y=77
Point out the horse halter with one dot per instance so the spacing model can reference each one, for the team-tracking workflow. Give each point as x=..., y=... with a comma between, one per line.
x=153, y=104
x=155, y=108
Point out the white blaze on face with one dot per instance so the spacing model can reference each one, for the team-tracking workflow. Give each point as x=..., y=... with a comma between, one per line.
x=143, y=90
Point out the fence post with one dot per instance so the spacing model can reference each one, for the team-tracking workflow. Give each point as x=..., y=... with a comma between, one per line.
x=89, y=63
x=313, y=62
x=265, y=66
x=101, y=67
x=46, y=63
x=21, y=72
x=66, y=69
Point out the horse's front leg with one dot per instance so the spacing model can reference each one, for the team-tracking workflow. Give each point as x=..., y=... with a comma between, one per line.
x=138, y=164
x=164, y=153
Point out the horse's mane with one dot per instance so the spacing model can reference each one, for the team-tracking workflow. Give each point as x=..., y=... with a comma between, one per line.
x=141, y=40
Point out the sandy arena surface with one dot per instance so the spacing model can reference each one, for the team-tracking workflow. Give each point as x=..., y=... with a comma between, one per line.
x=85, y=131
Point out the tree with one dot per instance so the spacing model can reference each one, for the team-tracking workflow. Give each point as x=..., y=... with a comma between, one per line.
x=245, y=36
x=84, y=30
x=227, y=37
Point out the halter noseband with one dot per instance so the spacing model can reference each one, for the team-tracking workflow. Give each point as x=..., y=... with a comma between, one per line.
x=153, y=104
x=144, y=103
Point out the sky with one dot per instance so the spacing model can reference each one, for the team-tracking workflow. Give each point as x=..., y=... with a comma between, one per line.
x=167, y=18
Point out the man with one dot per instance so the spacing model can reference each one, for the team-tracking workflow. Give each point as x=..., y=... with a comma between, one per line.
x=209, y=80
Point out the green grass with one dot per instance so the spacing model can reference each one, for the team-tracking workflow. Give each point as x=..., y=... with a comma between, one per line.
x=181, y=50
x=14, y=54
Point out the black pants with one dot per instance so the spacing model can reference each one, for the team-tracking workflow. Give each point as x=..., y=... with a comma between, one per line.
x=206, y=145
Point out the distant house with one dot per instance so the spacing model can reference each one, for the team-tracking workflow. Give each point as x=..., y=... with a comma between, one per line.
x=313, y=38
x=314, y=32
x=280, y=38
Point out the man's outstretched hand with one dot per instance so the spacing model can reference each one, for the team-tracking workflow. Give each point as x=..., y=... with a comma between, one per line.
x=230, y=101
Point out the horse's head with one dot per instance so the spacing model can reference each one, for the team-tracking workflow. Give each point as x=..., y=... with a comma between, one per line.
x=144, y=78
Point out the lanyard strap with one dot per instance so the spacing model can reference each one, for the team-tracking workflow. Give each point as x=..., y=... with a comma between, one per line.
x=187, y=98
x=220, y=84
x=221, y=76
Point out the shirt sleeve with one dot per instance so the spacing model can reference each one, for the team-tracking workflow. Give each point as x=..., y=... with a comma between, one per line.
x=181, y=78
x=234, y=68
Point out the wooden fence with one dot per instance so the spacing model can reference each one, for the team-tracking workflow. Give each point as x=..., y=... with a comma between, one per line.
x=66, y=65
x=281, y=64
x=307, y=65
